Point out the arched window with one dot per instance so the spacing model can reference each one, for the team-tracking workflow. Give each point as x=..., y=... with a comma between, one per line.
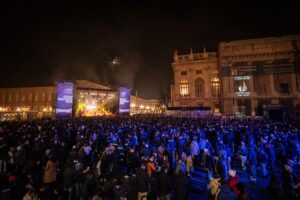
x=199, y=87
x=215, y=87
x=184, y=87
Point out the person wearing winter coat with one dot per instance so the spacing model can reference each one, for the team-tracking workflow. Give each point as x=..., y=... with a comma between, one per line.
x=50, y=171
x=143, y=181
x=165, y=185
x=232, y=181
x=182, y=186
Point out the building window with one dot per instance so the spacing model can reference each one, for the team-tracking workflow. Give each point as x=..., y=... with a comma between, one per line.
x=215, y=87
x=198, y=71
x=49, y=96
x=43, y=96
x=30, y=97
x=284, y=88
x=17, y=97
x=23, y=97
x=184, y=87
x=183, y=73
x=199, y=87
x=36, y=97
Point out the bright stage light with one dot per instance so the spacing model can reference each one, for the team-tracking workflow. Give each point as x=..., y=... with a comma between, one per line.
x=90, y=107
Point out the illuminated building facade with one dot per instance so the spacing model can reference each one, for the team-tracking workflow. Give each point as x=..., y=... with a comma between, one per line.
x=260, y=76
x=257, y=77
x=89, y=99
x=27, y=102
x=196, y=81
x=146, y=106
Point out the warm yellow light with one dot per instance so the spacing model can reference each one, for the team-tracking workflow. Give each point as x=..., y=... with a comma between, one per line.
x=90, y=107
x=147, y=107
x=142, y=106
x=133, y=105
x=44, y=109
x=18, y=109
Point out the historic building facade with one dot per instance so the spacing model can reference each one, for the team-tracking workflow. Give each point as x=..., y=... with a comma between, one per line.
x=196, y=80
x=256, y=77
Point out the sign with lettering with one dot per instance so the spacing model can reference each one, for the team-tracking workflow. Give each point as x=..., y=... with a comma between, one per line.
x=64, y=100
x=124, y=100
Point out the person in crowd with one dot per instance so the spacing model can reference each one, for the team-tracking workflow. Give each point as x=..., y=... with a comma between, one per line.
x=243, y=193
x=165, y=185
x=79, y=157
x=189, y=163
x=143, y=181
x=262, y=158
x=31, y=195
x=69, y=180
x=195, y=149
x=233, y=181
x=3, y=155
x=243, y=151
x=225, y=193
x=151, y=166
x=50, y=175
x=214, y=186
x=182, y=186
x=252, y=159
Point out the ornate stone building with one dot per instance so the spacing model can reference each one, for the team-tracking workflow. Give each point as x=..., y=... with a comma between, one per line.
x=196, y=80
x=257, y=77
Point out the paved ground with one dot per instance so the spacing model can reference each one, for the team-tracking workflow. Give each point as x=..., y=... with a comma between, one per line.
x=257, y=190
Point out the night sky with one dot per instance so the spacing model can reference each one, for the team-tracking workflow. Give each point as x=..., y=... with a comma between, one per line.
x=45, y=41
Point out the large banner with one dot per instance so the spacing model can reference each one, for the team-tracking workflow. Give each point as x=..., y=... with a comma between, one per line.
x=124, y=100
x=64, y=100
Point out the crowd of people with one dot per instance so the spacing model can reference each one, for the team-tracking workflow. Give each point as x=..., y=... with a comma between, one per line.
x=146, y=157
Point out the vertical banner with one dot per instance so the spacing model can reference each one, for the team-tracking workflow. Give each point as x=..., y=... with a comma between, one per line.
x=64, y=100
x=124, y=100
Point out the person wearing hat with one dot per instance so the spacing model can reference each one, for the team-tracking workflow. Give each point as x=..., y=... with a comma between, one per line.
x=232, y=181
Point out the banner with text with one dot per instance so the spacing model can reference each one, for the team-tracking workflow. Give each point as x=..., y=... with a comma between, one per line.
x=64, y=100
x=124, y=100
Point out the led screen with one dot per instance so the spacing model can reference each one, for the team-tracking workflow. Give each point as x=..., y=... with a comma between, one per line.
x=64, y=100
